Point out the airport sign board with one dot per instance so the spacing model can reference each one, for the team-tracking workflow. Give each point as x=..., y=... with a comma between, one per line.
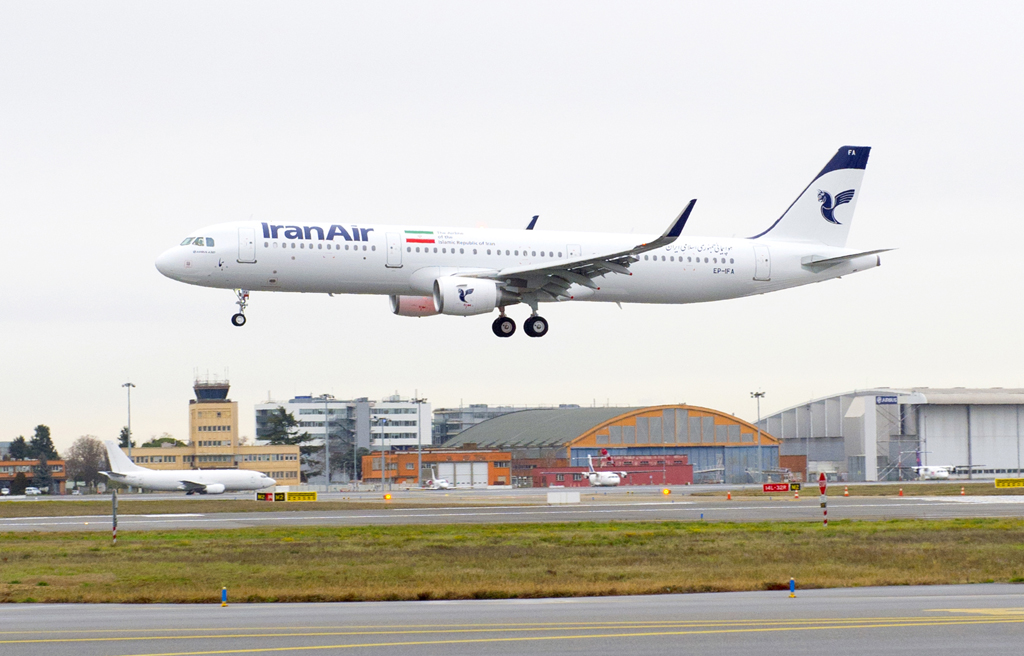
x=887, y=400
x=286, y=496
x=776, y=487
x=1010, y=482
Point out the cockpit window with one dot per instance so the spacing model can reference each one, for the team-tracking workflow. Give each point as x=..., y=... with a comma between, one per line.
x=187, y=242
x=198, y=241
x=209, y=241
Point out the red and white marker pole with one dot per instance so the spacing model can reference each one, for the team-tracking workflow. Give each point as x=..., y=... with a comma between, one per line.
x=113, y=513
x=824, y=497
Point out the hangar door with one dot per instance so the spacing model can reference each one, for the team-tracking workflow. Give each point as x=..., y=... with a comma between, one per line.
x=762, y=263
x=464, y=474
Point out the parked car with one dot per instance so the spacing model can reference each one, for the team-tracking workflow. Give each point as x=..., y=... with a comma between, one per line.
x=32, y=490
x=4, y=490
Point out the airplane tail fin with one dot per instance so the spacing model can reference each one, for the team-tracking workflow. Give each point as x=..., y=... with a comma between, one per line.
x=590, y=465
x=824, y=211
x=119, y=462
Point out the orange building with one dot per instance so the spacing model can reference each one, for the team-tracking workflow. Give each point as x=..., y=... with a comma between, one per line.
x=463, y=467
x=11, y=468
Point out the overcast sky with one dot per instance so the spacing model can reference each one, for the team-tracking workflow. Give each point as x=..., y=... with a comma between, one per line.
x=126, y=126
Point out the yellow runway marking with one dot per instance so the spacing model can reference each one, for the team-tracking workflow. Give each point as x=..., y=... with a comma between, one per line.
x=686, y=628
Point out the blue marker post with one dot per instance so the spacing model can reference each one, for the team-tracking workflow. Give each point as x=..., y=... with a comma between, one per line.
x=223, y=597
x=792, y=588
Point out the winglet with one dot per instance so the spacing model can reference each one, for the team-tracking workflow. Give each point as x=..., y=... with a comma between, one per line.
x=533, y=222
x=677, y=226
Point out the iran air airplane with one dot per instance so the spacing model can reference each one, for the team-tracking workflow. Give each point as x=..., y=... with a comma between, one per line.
x=189, y=481
x=428, y=271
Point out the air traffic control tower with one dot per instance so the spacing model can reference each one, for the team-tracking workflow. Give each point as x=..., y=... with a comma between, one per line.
x=212, y=416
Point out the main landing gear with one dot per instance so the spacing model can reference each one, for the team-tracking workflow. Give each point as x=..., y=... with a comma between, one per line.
x=503, y=326
x=243, y=301
x=535, y=326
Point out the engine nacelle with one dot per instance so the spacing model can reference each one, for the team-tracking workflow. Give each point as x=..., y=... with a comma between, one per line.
x=214, y=488
x=413, y=306
x=466, y=296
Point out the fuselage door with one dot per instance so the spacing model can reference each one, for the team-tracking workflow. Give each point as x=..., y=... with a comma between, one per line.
x=247, y=245
x=394, y=260
x=762, y=263
x=573, y=251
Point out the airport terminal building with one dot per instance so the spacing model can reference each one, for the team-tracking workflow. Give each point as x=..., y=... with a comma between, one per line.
x=884, y=433
x=720, y=447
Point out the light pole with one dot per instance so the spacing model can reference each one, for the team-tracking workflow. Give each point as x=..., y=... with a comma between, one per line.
x=327, y=439
x=760, y=464
x=381, y=423
x=129, y=386
x=419, y=441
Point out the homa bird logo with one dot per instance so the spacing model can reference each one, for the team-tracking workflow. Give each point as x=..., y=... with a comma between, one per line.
x=463, y=293
x=827, y=207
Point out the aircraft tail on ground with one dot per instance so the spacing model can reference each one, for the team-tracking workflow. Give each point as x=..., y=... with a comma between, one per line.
x=119, y=462
x=824, y=211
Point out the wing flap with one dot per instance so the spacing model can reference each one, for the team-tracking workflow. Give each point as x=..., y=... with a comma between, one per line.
x=822, y=261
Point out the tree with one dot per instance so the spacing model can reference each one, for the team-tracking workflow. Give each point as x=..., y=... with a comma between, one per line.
x=282, y=428
x=86, y=458
x=19, y=483
x=166, y=438
x=125, y=438
x=19, y=449
x=41, y=445
x=42, y=477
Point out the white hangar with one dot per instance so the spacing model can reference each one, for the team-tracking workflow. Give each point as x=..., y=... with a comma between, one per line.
x=885, y=433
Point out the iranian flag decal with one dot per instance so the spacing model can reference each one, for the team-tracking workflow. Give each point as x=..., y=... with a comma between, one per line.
x=419, y=236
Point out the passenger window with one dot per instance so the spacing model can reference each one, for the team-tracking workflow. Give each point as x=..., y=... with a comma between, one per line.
x=198, y=241
x=533, y=253
x=417, y=249
x=266, y=244
x=517, y=252
x=732, y=261
x=408, y=249
x=506, y=252
x=444, y=250
x=559, y=253
x=302, y=245
x=474, y=251
x=645, y=257
x=293, y=244
x=209, y=241
x=275, y=244
x=187, y=242
x=372, y=248
x=319, y=246
x=705, y=260
x=435, y=249
x=461, y=251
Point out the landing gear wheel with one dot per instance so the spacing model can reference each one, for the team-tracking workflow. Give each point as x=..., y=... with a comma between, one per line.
x=242, y=302
x=503, y=327
x=536, y=326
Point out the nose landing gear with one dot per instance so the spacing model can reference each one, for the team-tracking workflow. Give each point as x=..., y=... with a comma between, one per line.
x=242, y=302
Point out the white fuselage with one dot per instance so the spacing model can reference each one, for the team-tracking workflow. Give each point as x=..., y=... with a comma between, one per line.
x=395, y=260
x=171, y=480
x=604, y=479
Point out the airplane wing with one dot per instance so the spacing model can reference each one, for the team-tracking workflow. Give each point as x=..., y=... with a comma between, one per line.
x=550, y=281
x=191, y=486
x=114, y=476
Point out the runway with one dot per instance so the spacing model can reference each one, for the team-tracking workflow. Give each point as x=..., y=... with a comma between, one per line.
x=685, y=508
x=985, y=619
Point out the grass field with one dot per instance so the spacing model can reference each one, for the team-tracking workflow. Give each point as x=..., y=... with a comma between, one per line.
x=498, y=561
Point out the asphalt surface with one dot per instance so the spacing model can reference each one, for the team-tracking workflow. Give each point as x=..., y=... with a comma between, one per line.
x=594, y=508
x=978, y=619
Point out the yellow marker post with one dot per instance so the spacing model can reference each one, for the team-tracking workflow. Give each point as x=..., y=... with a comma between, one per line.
x=223, y=597
x=792, y=588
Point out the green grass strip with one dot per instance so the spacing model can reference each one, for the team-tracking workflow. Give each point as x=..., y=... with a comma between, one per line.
x=502, y=561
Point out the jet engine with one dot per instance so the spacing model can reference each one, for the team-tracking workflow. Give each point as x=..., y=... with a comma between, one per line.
x=413, y=306
x=214, y=488
x=468, y=296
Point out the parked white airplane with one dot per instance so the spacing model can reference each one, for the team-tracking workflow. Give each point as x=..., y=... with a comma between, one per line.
x=603, y=478
x=437, y=483
x=191, y=481
x=467, y=271
x=933, y=473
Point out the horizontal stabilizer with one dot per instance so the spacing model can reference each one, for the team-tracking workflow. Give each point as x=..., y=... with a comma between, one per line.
x=823, y=261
